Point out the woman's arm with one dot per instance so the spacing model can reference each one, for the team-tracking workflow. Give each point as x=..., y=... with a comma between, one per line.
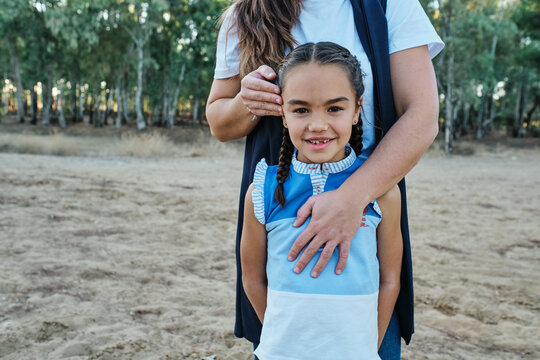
x=417, y=105
x=253, y=258
x=389, y=253
x=232, y=103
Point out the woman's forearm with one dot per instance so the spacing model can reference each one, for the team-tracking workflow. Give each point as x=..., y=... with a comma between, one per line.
x=229, y=119
x=415, y=96
x=394, y=157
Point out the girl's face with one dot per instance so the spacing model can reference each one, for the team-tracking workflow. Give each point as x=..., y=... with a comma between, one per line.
x=319, y=109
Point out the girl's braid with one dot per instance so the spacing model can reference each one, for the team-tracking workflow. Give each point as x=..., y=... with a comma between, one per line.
x=285, y=156
x=356, y=137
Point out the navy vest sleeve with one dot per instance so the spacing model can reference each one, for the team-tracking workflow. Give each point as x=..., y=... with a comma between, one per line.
x=265, y=141
x=372, y=28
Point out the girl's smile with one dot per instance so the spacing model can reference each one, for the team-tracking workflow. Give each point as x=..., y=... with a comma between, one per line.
x=319, y=111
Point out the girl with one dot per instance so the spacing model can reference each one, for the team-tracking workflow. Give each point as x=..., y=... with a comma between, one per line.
x=330, y=316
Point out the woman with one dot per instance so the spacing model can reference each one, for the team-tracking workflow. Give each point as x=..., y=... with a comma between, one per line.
x=243, y=101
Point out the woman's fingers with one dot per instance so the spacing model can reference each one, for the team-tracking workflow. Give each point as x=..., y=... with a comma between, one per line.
x=304, y=212
x=344, y=248
x=301, y=241
x=308, y=253
x=252, y=96
x=259, y=95
x=326, y=254
x=334, y=222
x=263, y=108
x=305, y=237
x=266, y=71
x=253, y=84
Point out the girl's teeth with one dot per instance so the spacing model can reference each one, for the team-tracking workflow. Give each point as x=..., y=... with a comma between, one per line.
x=316, y=142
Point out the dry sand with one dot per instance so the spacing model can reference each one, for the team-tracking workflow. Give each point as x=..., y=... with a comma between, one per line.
x=123, y=258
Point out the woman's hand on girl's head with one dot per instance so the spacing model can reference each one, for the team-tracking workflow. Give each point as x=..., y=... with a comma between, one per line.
x=332, y=224
x=259, y=95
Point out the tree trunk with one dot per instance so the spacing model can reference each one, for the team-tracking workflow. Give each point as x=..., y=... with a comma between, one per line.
x=18, y=80
x=455, y=110
x=26, y=105
x=523, y=104
x=448, y=120
x=165, y=98
x=141, y=125
x=155, y=115
x=33, y=106
x=481, y=117
x=108, y=109
x=5, y=95
x=47, y=99
x=125, y=107
x=81, y=103
x=97, y=114
x=174, y=100
x=195, y=111
x=466, y=114
x=118, y=103
x=60, y=106
x=125, y=99
x=530, y=112
x=521, y=101
x=72, y=98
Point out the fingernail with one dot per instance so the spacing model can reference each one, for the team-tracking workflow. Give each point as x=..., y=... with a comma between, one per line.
x=294, y=223
x=290, y=258
x=296, y=269
x=314, y=274
x=338, y=272
x=277, y=100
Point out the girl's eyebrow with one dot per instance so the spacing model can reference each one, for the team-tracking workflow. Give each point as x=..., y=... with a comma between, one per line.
x=305, y=103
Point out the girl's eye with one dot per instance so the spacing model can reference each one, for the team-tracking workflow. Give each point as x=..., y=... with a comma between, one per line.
x=301, y=110
x=335, y=108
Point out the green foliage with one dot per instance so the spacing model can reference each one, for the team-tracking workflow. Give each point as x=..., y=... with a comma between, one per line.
x=95, y=41
x=489, y=43
x=491, y=60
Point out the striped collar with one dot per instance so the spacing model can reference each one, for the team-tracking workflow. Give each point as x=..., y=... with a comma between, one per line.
x=325, y=168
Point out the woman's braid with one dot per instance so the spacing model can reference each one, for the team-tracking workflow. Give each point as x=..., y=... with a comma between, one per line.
x=285, y=157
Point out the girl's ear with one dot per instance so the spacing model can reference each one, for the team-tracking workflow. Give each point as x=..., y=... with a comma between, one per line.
x=284, y=121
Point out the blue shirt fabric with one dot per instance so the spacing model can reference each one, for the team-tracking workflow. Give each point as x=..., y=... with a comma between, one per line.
x=297, y=303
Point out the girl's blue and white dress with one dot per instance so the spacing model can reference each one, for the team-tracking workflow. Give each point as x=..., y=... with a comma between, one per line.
x=332, y=316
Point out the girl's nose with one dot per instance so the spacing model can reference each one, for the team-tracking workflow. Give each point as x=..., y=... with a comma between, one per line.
x=318, y=123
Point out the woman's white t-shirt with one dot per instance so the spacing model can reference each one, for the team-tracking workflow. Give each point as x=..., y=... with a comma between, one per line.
x=333, y=20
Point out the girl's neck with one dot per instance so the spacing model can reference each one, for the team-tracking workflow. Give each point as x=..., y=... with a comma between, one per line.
x=345, y=152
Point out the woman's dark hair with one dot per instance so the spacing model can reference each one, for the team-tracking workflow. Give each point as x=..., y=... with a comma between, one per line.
x=264, y=31
x=323, y=53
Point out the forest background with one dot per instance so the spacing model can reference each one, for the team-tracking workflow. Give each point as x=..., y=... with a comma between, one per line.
x=150, y=63
x=124, y=246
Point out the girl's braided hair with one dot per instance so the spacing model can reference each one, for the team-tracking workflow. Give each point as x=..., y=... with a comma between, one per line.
x=323, y=53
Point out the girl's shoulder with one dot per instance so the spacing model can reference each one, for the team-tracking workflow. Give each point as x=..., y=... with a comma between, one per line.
x=263, y=187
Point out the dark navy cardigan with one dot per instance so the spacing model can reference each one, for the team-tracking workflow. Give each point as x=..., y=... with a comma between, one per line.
x=265, y=141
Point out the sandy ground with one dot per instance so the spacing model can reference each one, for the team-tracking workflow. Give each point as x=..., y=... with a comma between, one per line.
x=124, y=258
